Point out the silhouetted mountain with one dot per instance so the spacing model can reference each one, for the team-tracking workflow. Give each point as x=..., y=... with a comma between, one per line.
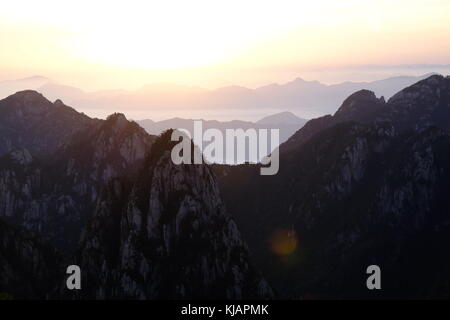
x=55, y=161
x=28, y=120
x=66, y=177
x=166, y=235
x=282, y=118
x=361, y=106
x=366, y=186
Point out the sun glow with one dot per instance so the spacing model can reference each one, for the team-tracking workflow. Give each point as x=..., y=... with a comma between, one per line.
x=155, y=34
x=178, y=40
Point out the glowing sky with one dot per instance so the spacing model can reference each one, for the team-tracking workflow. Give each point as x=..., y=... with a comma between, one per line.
x=209, y=43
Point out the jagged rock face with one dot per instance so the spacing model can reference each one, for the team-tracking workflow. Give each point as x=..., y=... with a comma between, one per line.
x=29, y=267
x=355, y=193
x=157, y=233
x=33, y=197
x=108, y=149
x=173, y=238
x=57, y=161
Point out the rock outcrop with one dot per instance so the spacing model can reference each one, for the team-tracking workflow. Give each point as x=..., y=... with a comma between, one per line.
x=167, y=235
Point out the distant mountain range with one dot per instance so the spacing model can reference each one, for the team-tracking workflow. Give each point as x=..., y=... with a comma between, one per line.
x=286, y=122
x=307, y=99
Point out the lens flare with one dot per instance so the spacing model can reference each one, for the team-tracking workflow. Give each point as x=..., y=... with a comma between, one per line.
x=283, y=242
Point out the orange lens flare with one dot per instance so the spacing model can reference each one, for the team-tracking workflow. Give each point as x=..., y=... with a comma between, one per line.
x=283, y=242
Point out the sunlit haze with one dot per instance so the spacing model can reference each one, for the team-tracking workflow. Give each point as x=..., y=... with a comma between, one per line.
x=125, y=44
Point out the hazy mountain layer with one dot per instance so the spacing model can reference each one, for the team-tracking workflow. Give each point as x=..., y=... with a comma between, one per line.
x=308, y=99
x=285, y=122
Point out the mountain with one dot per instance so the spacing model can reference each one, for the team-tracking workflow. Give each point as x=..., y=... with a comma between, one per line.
x=166, y=235
x=29, y=120
x=105, y=194
x=54, y=162
x=365, y=186
x=282, y=118
x=361, y=106
x=286, y=122
x=308, y=99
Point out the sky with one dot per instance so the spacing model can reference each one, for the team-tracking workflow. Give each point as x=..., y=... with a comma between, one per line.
x=208, y=43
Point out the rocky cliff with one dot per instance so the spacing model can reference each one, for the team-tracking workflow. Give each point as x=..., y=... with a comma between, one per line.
x=57, y=161
x=167, y=235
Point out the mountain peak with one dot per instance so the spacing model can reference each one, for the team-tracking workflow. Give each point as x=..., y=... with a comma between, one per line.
x=431, y=87
x=58, y=103
x=28, y=98
x=433, y=78
x=302, y=82
x=358, y=96
x=118, y=121
x=117, y=116
x=359, y=105
x=28, y=95
x=285, y=117
x=299, y=80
